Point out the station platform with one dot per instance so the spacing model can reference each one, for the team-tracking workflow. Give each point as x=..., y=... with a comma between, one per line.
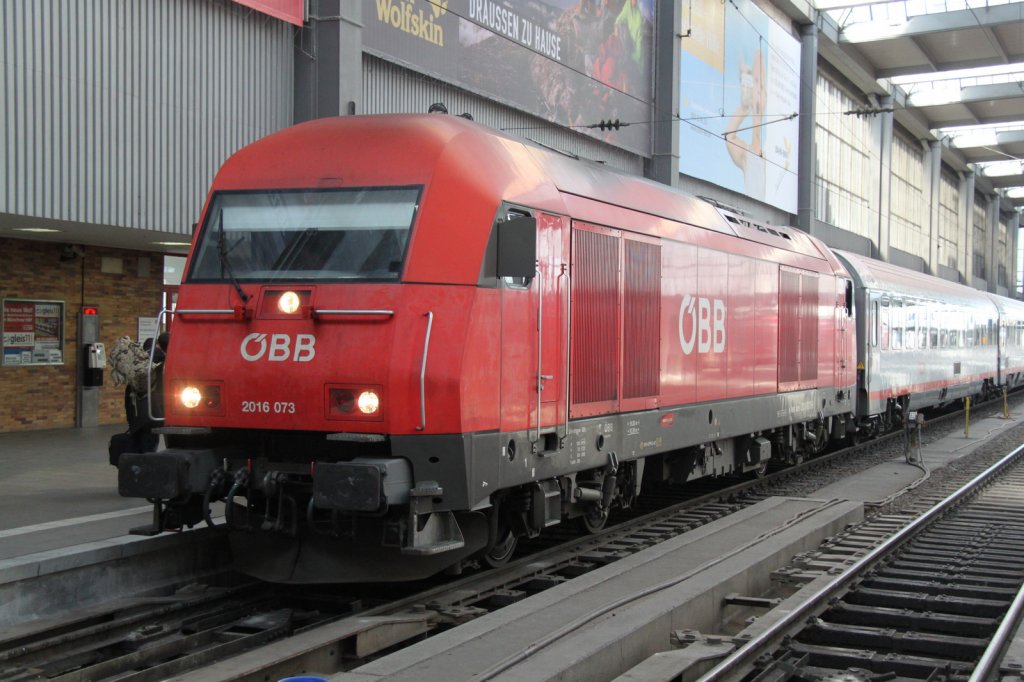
x=59, y=490
x=877, y=484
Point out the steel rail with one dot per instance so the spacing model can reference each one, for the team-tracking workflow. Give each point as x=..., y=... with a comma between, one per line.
x=743, y=655
x=990, y=660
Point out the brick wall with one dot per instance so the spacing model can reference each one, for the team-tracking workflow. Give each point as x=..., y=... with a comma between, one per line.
x=43, y=397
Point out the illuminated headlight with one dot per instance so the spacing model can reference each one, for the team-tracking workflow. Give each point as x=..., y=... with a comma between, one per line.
x=288, y=303
x=191, y=397
x=198, y=398
x=368, y=402
x=354, y=402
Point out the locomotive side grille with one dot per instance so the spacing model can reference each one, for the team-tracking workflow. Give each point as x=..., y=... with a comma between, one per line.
x=642, y=315
x=594, y=316
x=798, y=326
x=789, y=326
x=808, y=327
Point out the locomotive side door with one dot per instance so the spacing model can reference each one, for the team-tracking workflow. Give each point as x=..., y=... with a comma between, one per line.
x=533, y=340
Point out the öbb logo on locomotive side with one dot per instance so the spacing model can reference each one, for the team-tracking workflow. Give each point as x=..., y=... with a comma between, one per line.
x=702, y=324
x=279, y=348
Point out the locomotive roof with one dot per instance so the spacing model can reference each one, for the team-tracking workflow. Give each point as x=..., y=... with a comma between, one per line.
x=487, y=166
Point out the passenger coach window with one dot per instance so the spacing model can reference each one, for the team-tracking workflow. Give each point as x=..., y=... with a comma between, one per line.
x=911, y=333
x=896, y=342
x=874, y=325
x=885, y=325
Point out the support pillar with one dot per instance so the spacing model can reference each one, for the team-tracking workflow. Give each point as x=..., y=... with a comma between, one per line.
x=664, y=166
x=329, y=61
x=992, y=228
x=884, y=176
x=1013, y=237
x=935, y=255
x=807, y=174
x=967, y=224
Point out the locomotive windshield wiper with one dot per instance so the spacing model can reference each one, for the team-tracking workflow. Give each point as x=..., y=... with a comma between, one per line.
x=225, y=264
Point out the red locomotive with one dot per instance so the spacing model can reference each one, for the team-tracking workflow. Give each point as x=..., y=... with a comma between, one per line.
x=404, y=342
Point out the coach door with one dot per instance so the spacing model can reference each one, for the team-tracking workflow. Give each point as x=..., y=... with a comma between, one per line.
x=844, y=331
x=533, y=340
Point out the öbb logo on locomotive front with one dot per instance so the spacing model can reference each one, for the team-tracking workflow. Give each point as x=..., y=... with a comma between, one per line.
x=255, y=346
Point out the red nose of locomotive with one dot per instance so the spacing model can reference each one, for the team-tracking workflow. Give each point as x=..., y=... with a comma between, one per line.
x=290, y=358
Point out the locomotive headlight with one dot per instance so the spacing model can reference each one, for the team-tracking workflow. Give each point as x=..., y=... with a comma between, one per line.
x=191, y=396
x=368, y=402
x=288, y=303
x=359, y=402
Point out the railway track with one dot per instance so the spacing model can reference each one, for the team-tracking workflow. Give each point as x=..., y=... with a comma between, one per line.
x=938, y=599
x=190, y=629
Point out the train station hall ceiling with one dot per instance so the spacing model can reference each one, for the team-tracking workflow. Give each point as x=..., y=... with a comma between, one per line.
x=955, y=69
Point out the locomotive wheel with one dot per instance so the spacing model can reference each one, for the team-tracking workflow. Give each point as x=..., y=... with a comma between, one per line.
x=502, y=551
x=593, y=519
x=761, y=470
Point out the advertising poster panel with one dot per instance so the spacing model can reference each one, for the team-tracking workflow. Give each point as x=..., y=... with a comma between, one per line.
x=573, y=62
x=739, y=93
x=292, y=11
x=33, y=332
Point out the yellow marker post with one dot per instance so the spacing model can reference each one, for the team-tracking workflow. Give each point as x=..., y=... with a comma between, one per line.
x=967, y=417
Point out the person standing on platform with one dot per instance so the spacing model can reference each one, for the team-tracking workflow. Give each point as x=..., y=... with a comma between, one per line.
x=143, y=396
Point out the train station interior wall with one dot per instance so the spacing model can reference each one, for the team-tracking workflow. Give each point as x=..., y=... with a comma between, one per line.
x=391, y=89
x=43, y=396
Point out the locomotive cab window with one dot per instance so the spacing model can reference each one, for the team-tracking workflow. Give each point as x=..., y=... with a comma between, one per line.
x=322, y=235
x=517, y=249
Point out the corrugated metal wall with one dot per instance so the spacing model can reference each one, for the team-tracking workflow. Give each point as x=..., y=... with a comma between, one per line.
x=119, y=112
x=392, y=89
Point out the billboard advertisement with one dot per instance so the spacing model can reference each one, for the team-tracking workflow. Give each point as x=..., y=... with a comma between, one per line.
x=292, y=11
x=572, y=62
x=739, y=98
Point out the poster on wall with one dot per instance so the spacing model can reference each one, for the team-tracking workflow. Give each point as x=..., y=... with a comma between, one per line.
x=148, y=329
x=33, y=332
x=739, y=99
x=573, y=62
x=292, y=11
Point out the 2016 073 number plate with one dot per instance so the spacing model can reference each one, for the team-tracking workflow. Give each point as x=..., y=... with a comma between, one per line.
x=267, y=407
